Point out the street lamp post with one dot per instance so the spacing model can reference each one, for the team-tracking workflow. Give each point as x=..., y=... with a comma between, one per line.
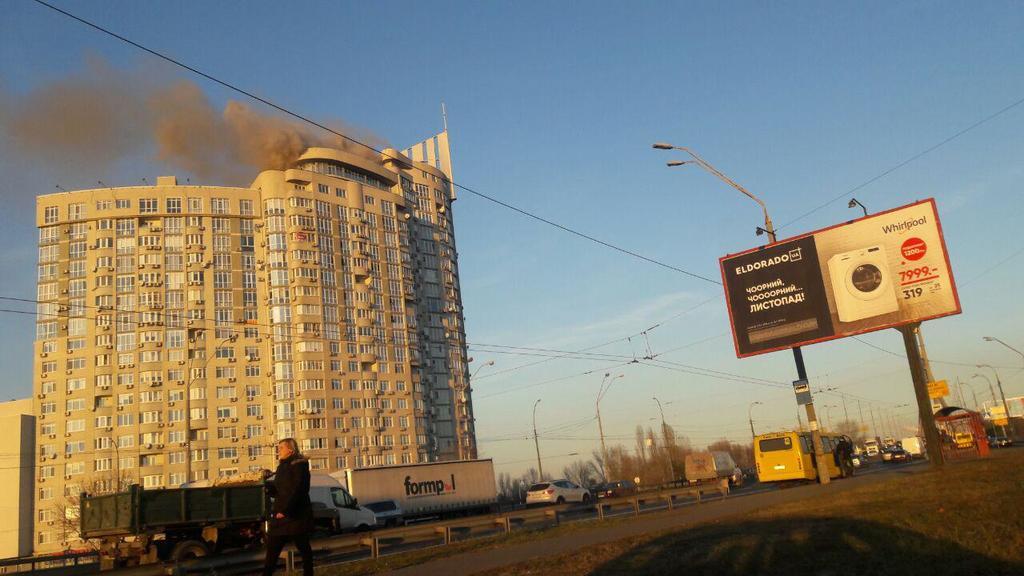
x=768, y=229
x=606, y=383
x=974, y=393
x=999, y=383
x=664, y=437
x=188, y=404
x=992, y=392
x=467, y=448
x=828, y=414
x=750, y=419
x=536, y=444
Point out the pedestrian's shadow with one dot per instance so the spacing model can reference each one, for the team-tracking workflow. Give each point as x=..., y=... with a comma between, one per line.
x=804, y=545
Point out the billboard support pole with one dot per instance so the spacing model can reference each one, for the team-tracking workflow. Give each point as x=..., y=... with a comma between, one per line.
x=812, y=422
x=924, y=403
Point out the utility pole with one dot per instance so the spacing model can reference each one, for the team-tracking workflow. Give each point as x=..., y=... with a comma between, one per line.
x=536, y=444
x=924, y=403
x=605, y=385
x=1002, y=397
x=751, y=419
x=768, y=229
x=812, y=421
x=664, y=437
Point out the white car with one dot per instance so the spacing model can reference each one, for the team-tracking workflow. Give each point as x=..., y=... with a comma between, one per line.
x=556, y=492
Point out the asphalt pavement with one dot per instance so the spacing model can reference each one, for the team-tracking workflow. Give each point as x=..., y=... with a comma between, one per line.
x=738, y=504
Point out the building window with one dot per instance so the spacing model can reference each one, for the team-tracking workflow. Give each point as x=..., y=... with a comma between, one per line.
x=50, y=215
x=148, y=205
x=219, y=205
x=174, y=205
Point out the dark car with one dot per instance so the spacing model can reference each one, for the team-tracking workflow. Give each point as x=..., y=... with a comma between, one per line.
x=615, y=489
x=898, y=455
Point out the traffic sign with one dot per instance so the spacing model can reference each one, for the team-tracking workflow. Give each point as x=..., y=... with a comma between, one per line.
x=803, y=392
x=938, y=389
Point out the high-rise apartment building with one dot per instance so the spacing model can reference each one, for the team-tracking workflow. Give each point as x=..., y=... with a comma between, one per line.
x=186, y=328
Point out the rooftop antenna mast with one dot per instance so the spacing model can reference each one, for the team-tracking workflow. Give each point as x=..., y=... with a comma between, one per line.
x=444, y=116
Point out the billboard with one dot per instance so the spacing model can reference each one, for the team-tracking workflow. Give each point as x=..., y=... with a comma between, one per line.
x=881, y=271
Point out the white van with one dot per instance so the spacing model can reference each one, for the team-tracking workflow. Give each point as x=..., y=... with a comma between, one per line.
x=334, y=508
x=914, y=446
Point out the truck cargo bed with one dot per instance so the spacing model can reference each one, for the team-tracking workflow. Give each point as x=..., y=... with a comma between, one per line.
x=138, y=511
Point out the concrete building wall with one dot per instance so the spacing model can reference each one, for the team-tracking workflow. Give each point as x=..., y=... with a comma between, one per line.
x=17, y=447
x=204, y=323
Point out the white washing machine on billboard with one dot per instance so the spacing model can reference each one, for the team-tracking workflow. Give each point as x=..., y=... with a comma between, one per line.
x=862, y=284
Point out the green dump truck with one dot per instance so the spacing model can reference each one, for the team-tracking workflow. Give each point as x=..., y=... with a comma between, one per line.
x=171, y=525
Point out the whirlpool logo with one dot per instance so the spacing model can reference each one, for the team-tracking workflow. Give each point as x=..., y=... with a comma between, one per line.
x=429, y=487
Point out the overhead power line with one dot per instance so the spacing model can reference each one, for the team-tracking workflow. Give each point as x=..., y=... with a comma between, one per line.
x=920, y=154
x=325, y=128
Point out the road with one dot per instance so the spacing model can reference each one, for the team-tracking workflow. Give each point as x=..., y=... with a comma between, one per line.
x=742, y=502
x=653, y=516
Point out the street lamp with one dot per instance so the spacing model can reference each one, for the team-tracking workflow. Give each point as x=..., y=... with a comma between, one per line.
x=188, y=403
x=536, y=444
x=606, y=383
x=854, y=203
x=750, y=419
x=467, y=448
x=971, y=388
x=1006, y=410
x=994, y=339
x=768, y=227
x=993, y=393
x=479, y=368
x=664, y=437
x=828, y=413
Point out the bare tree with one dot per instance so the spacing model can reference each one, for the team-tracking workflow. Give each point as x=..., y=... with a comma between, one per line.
x=582, y=472
x=852, y=429
x=742, y=454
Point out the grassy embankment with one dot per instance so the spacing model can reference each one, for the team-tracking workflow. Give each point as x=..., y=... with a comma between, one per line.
x=966, y=520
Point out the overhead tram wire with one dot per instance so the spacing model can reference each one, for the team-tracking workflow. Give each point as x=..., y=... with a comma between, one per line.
x=325, y=128
x=610, y=342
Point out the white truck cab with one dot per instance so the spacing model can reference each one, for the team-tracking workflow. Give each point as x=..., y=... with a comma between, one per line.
x=335, y=508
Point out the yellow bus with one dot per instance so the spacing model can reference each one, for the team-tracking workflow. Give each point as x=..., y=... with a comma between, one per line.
x=783, y=456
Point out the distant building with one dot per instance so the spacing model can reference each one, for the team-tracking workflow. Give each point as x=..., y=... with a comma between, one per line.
x=320, y=303
x=17, y=464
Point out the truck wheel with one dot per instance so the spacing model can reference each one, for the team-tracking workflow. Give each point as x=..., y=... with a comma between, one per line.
x=189, y=550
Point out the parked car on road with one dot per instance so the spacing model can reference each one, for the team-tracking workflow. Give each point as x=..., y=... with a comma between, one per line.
x=896, y=455
x=387, y=512
x=615, y=489
x=999, y=442
x=556, y=492
x=860, y=460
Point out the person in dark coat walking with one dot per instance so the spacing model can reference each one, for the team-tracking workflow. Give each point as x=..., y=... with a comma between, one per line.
x=292, y=513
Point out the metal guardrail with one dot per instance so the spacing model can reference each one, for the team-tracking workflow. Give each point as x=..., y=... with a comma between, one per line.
x=504, y=523
x=370, y=545
x=77, y=563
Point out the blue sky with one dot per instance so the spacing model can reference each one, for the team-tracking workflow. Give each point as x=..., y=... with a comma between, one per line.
x=553, y=107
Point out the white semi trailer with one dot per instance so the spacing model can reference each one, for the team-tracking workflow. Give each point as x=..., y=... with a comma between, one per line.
x=429, y=489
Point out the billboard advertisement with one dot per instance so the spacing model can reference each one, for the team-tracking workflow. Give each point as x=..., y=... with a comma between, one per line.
x=881, y=271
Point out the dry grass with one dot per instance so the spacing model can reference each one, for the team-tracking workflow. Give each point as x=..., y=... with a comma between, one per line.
x=966, y=520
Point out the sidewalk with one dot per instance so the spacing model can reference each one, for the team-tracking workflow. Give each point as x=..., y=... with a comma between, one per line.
x=491, y=559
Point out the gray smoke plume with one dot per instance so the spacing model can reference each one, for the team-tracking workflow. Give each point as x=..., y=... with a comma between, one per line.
x=95, y=118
